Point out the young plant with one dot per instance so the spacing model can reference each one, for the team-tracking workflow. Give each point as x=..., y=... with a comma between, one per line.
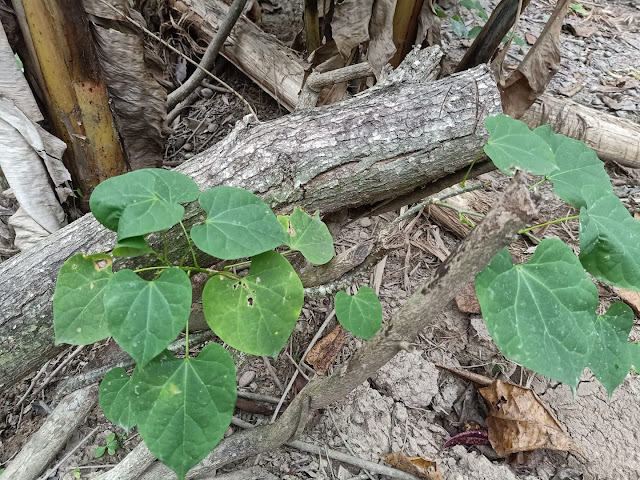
x=183, y=406
x=542, y=313
x=110, y=448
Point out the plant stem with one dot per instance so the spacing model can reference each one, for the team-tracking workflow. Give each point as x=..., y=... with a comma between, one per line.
x=193, y=253
x=539, y=183
x=228, y=267
x=164, y=241
x=459, y=210
x=466, y=175
x=551, y=222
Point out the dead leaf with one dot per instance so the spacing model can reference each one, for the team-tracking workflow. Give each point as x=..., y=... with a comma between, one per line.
x=132, y=75
x=324, y=353
x=531, y=77
x=610, y=102
x=419, y=467
x=428, y=32
x=350, y=24
x=518, y=421
x=381, y=46
x=630, y=297
x=467, y=301
x=581, y=30
x=530, y=38
x=573, y=88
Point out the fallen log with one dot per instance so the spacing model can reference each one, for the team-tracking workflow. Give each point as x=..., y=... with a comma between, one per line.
x=255, y=53
x=380, y=144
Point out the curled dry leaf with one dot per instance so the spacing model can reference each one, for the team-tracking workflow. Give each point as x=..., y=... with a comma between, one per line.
x=350, y=24
x=467, y=301
x=324, y=353
x=381, y=47
x=531, y=77
x=417, y=466
x=518, y=421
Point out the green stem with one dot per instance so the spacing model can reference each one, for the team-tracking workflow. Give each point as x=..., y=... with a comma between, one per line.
x=193, y=253
x=539, y=183
x=189, y=270
x=466, y=175
x=459, y=210
x=551, y=222
x=164, y=240
x=229, y=267
x=186, y=334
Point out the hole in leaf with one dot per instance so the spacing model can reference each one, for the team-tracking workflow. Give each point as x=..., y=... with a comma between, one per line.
x=250, y=301
x=235, y=286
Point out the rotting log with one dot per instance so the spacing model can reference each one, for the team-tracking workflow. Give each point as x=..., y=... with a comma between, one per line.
x=255, y=53
x=613, y=138
x=377, y=145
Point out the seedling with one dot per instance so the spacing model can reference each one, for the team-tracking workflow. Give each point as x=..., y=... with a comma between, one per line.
x=110, y=448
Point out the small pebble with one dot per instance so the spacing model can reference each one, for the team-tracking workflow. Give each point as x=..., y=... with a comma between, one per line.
x=212, y=127
x=188, y=155
x=206, y=92
x=246, y=378
x=187, y=147
x=253, y=386
x=365, y=222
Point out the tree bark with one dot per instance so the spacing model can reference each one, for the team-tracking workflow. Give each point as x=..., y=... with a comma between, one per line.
x=380, y=144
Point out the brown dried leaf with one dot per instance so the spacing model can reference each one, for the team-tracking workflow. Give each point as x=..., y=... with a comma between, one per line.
x=131, y=73
x=581, y=30
x=534, y=73
x=518, y=421
x=350, y=24
x=467, y=301
x=417, y=466
x=573, y=88
x=381, y=47
x=530, y=38
x=428, y=32
x=324, y=353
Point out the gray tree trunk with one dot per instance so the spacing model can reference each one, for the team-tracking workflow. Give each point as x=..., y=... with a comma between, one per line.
x=377, y=145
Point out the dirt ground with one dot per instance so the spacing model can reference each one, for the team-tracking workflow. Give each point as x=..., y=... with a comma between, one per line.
x=410, y=405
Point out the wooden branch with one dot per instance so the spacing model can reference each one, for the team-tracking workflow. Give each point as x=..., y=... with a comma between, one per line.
x=54, y=434
x=613, y=138
x=348, y=154
x=498, y=229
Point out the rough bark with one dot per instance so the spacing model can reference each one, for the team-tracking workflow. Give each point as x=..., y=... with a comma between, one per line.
x=378, y=145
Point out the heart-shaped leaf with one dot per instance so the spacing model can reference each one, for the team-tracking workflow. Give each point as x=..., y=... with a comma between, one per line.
x=142, y=201
x=610, y=359
x=309, y=236
x=184, y=406
x=541, y=313
x=116, y=395
x=78, y=311
x=239, y=224
x=256, y=313
x=513, y=145
x=609, y=240
x=578, y=167
x=361, y=313
x=132, y=247
x=145, y=317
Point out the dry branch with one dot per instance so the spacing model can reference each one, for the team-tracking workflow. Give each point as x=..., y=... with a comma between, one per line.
x=498, y=229
x=52, y=437
x=348, y=154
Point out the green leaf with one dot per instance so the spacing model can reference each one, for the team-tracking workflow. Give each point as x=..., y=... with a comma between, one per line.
x=239, y=224
x=132, y=247
x=361, y=313
x=475, y=5
x=609, y=240
x=610, y=359
x=142, y=201
x=309, y=236
x=473, y=33
x=578, y=167
x=458, y=26
x=184, y=406
x=78, y=312
x=634, y=349
x=512, y=145
x=110, y=438
x=116, y=395
x=145, y=317
x=439, y=11
x=578, y=8
x=256, y=313
x=518, y=40
x=99, y=452
x=540, y=313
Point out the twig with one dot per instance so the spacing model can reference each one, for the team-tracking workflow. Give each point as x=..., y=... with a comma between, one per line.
x=32, y=384
x=295, y=374
x=317, y=81
x=273, y=373
x=53, y=469
x=258, y=397
x=178, y=52
x=58, y=368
